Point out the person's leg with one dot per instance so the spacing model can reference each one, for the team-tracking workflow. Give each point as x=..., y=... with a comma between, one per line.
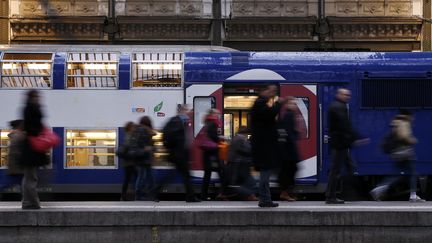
x=207, y=175
x=149, y=182
x=29, y=188
x=264, y=186
x=140, y=182
x=128, y=174
x=182, y=167
x=337, y=159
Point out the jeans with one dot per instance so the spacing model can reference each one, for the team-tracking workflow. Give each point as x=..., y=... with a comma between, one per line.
x=264, y=186
x=30, y=196
x=144, y=183
x=129, y=173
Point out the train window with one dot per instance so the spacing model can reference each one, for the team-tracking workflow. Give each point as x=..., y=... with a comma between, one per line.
x=201, y=105
x=157, y=69
x=92, y=70
x=90, y=149
x=4, y=143
x=396, y=93
x=26, y=70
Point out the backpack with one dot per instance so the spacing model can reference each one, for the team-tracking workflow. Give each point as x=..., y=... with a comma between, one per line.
x=389, y=142
x=171, y=132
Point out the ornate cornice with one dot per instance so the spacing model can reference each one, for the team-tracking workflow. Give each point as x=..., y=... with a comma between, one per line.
x=65, y=28
x=375, y=29
x=164, y=29
x=275, y=29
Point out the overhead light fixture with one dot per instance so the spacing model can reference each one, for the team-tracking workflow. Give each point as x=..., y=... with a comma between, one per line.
x=97, y=66
x=160, y=66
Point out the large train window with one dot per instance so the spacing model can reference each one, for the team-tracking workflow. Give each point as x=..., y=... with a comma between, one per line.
x=91, y=149
x=92, y=70
x=4, y=144
x=157, y=69
x=26, y=70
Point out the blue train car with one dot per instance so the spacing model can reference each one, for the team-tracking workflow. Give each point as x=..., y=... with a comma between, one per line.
x=91, y=91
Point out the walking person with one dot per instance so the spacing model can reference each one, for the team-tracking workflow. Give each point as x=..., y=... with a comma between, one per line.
x=177, y=140
x=32, y=159
x=210, y=150
x=15, y=149
x=403, y=155
x=288, y=152
x=342, y=137
x=264, y=141
x=127, y=163
x=239, y=166
x=142, y=140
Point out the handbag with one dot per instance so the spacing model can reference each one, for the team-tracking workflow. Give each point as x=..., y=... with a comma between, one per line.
x=43, y=142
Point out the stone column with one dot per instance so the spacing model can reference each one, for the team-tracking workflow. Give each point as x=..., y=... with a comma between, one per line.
x=427, y=27
x=216, y=37
x=4, y=22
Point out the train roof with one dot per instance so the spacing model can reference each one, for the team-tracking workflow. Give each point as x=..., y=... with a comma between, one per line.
x=303, y=66
x=115, y=48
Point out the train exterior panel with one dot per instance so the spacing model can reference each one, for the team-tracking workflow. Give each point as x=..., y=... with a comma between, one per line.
x=88, y=108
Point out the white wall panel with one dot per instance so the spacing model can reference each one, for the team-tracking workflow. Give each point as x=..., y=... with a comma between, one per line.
x=94, y=108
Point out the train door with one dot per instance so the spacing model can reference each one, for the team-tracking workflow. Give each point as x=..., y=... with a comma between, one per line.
x=307, y=124
x=201, y=97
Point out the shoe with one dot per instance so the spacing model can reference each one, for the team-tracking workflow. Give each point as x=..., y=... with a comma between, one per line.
x=30, y=207
x=284, y=196
x=192, y=199
x=378, y=192
x=252, y=198
x=268, y=205
x=334, y=201
x=417, y=199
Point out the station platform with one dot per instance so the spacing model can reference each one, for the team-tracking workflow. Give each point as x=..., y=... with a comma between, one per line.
x=216, y=222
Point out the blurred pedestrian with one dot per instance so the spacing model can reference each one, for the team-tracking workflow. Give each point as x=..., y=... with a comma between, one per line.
x=288, y=152
x=239, y=166
x=342, y=138
x=177, y=140
x=127, y=163
x=32, y=159
x=264, y=140
x=209, y=145
x=142, y=139
x=403, y=155
x=15, y=149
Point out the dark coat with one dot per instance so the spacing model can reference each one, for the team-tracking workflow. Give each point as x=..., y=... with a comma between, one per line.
x=288, y=136
x=141, y=139
x=264, y=134
x=15, y=152
x=179, y=143
x=33, y=127
x=342, y=135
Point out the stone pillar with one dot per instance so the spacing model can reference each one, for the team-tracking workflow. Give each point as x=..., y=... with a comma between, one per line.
x=427, y=27
x=4, y=22
x=216, y=37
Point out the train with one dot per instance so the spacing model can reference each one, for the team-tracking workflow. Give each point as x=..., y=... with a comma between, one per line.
x=90, y=92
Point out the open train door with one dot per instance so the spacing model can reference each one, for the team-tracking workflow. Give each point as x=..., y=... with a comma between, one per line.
x=201, y=97
x=307, y=124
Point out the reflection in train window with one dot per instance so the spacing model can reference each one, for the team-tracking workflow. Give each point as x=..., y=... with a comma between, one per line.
x=26, y=70
x=157, y=69
x=92, y=70
x=92, y=149
x=4, y=143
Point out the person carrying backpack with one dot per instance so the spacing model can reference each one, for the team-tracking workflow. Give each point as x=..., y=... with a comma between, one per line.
x=399, y=144
x=177, y=140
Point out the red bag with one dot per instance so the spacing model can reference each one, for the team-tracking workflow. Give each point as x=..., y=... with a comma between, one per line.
x=44, y=141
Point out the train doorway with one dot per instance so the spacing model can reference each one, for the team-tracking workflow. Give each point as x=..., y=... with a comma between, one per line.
x=237, y=103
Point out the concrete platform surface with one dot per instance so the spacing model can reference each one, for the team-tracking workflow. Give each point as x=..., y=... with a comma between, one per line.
x=216, y=222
